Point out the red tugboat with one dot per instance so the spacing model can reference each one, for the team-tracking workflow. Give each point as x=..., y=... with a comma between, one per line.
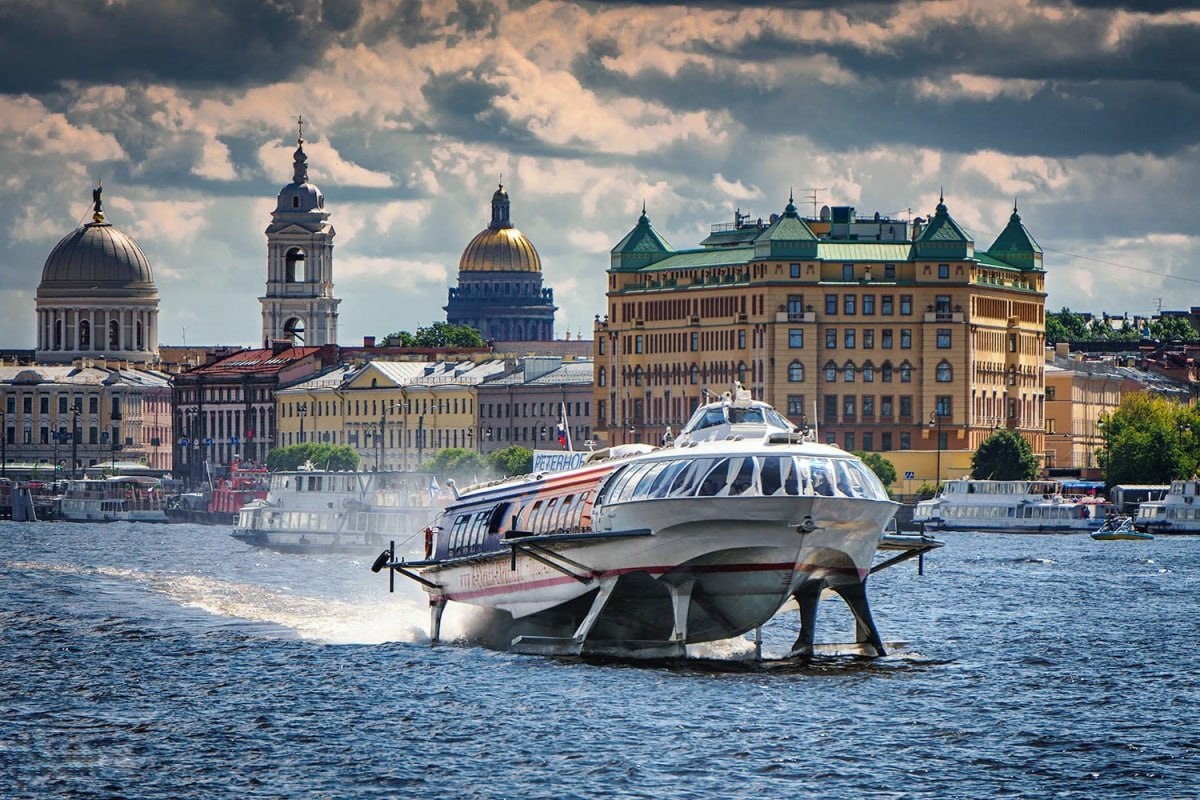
x=244, y=484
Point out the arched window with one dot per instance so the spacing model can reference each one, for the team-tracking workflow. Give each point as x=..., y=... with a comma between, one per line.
x=58, y=328
x=141, y=344
x=885, y=372
x=796, y=372
x=741, y=372
x=945, y=373
x=114, y=334
x=293, y=331
x=294, y=271
x=831, y=371
x=906, y=372
x=868, y=372
x=695, y=375
x=602, y=377
x=848, y=372
x=637, y=376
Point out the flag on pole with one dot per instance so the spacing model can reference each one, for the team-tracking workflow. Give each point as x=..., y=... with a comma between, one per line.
x=433, y=488
x=562, y=435
x=564, y=429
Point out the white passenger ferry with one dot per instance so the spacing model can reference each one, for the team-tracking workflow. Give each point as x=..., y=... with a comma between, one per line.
x=310, y=511
x=1009, y=506
x=1177, y=512
x=643, y=554
x=124, y=498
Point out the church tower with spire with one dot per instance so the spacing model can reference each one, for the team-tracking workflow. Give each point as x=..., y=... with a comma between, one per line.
x=299, y=305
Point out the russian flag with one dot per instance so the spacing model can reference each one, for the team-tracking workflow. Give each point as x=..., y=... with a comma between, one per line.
x=562, y=435
x=433, y=488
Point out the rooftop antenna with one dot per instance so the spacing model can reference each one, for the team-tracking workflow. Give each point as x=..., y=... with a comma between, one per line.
x=812, y=192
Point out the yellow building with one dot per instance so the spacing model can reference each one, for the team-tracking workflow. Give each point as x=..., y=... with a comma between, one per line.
x=887, y=336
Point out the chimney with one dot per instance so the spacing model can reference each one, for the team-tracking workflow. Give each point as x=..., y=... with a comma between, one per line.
x=1062, y=349
x=368, y=341
x=279, y=345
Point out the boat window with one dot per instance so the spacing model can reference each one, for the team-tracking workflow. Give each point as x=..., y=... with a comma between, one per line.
x=642, y=488
x=665, y=479
x=822, y=477
x=616, y=485
x=687, y=480
x=772, y=475
x=742, y=481
x=752, y=416
x=496, y=518
x=714, y=480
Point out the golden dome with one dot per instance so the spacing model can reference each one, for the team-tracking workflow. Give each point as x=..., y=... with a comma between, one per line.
x=500, y=250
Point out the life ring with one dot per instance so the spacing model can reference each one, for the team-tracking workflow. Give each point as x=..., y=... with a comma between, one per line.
x=428, y=542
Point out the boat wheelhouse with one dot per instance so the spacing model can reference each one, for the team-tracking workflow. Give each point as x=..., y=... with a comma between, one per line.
x=1177, y=512
x=644, y=554
x=308, y=511
x=127, y=498
x=1009, y=506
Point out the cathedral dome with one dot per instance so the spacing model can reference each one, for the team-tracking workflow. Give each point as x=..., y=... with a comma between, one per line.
x=97, y=260
x=500, y=247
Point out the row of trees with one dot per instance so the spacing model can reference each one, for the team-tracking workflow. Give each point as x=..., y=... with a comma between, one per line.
x=439, y=334
x=1149, y=439
x=464, y=466
x=1066, y=326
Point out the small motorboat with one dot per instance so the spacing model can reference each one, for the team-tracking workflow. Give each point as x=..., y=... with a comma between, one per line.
x=1119, y=527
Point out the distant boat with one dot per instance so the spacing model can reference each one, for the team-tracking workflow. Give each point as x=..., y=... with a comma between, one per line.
x=1009, y=507
x=124, y=498
x=1119, y=527
x=244, y=484
x=1177, y=512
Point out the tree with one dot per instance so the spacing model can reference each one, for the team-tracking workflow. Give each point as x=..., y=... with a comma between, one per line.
x=885, y=470
x=439, y=334
x=1066, y=326
x=1166, y=329
x=458, y=464
x=512, y=460
x=322, y=456
x=1004, y=456
x=1148, y=439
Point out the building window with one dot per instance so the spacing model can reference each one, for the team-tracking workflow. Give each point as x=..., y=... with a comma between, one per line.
x=848, y=372
x=695, y=376
x=795, y=307
x=831, y=372
x=905, y=338
x=602, y=377
x=1050, y=393
x=868, y=405
x=905, y=405
x=848, y=403
x=848, y=437
x=885, y=372
x=885, y=406
x=831, y=304
x=887, y=305
x=906, y=372
x=795, y=405
x=887, y=341
x=847, y=272
x=868, y=440
x=795, y=337
x=943, y=338
x=906, y=305
x=600, y=346
x=795, y=372
x=849, y=302
x=868, y=372
x=741, y=340
x=868, y=339
x=905, y=440
x=887, y=440
x=795, y=273
x=943, y=405
x=889, y=272
x=638, y=344
x=848, y=338
x=637, y=376
x=831, y=338
x=62, y=402
x=868, y=304
x=695, y=341
x=44, y=405
x=831, y=407
x=942, y=304
x=943, y=271
x=945, y=373
x=741, y=372
x=1012, y=343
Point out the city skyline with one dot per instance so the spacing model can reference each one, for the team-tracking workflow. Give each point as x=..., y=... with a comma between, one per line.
x=414, y=112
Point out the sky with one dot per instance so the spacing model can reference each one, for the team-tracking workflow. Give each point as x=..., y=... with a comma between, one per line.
x=1085, y=114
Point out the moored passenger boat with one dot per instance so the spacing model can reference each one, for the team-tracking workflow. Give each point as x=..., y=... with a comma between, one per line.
x=220, y=505
x=1010, y=507
x=123, y=498
x=643, y=553
x=315, y=511
x=1177, y=512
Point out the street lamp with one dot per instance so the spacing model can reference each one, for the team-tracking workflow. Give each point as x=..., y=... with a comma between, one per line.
x=470, y=439
x=302, y=411
x=935, y=421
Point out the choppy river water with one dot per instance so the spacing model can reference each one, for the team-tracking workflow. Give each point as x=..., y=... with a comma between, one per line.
x=174, y=661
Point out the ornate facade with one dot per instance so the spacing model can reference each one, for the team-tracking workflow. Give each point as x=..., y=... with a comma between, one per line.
x=888, y=336
x=500, y=289
x=299, y=306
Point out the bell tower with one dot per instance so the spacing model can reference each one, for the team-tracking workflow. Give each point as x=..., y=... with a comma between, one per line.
x=299, y=305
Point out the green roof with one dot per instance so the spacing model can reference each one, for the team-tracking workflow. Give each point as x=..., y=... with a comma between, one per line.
x=943, y=237
x=641, y=246
x=787, y=237
x=1016, y=246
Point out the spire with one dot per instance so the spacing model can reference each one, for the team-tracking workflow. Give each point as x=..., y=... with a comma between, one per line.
x=299, y=159
x=97, y=208
x=501, y=210
x=941, y=206
x=643, y=219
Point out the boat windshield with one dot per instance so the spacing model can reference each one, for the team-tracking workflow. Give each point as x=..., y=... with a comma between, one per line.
x=743, y=476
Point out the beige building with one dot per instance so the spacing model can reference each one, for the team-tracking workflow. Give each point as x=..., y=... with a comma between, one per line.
x=888, y=336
